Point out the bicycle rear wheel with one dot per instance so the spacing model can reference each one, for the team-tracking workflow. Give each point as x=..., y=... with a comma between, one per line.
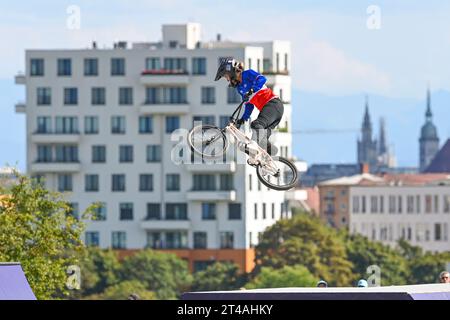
x=208, y=141
x=285, y=179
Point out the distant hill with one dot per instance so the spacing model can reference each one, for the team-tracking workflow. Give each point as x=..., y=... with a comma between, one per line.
x=404, y=118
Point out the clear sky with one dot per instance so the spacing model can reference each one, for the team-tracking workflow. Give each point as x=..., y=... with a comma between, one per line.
x=334, y=51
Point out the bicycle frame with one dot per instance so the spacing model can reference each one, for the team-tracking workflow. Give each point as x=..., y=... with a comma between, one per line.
x=261, y=155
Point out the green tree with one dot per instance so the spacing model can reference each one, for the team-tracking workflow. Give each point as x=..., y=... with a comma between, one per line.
x=122, y=291
x=37, y=231
x=364, y=253
x=288, y=276
x=307, y=241
x=99, y=269
x=163, y=273
x=218, y=276
x=423, y=267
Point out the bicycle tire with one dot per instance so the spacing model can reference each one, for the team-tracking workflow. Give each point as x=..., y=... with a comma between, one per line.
x=203, y=128
x=290, y=185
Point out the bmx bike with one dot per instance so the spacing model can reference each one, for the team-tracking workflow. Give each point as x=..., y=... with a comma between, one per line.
x=210, y=141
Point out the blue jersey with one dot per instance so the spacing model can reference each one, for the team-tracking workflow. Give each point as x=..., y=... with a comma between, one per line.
x=261, y=94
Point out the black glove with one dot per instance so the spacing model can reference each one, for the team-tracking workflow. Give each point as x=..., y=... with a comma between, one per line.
x=247, y=95
x=240, y=122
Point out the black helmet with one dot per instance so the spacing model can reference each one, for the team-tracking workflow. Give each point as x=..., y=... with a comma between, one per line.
x=231, y=67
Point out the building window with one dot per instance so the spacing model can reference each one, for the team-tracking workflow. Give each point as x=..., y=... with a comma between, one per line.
x=91, y=182
x=197, y=120
x=418, y=204
x=277, y=62
x=125, y=96
x=118, y=125
x=273, y=210
x=226, y=240
x=172, y=182
x=204, y=182
x=44, y=153
x=437, y=232
x=73, y=210
x=70, y=96
x=267, y=67
x=91, y=67
x=410, y=204
x=91, y=125
x=172, y=123
x=199, y=66
x=126, y=211
x=44, y=125
x=381, y=204
x=153, y=211
x=64, y=67
x=234, y=211
x=66, y=125
x=65, y=182
x=100, y=212
x=92, y=238
x=200, y=240
x=166, y=95
x=37, y=67
x=264, y=211
x=44, y=96
x=428, y=204
x=256, y=211
x=118, y=182
x=176, y=211
x=119, y=240
x=98, y=96
x=355, y=204
x=373, y=204
x=146, y=182
x=117, y=66
x=363, y=204
x=233, y=96
x=208, y=95
x=176, y=240
x=226, y=182
x=446, y=201
x=208, y=211
x=250, y=182
x=125, y=154
x=154, y=153
x=152, y=64
x=392, y=204
x=286, y=62
x=400, y=204
x=200, y=265
x=436, y=204
x=65, y=153
x=175, y=64
x=146, y=124
x=98, y=154
x=154, y=240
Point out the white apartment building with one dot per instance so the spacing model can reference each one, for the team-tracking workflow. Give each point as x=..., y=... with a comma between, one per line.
x=99, y=125
x=415, y=208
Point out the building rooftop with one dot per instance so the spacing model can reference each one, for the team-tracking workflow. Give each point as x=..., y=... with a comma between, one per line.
x=359, y=179
x=441, y=162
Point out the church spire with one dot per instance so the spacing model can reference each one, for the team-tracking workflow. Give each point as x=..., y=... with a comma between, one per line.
x=428, y=114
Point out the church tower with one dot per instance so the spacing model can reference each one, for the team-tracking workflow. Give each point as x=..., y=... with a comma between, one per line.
x=367, y=146
x=429, y=140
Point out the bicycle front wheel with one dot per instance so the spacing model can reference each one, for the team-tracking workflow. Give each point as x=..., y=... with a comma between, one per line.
x=285, y=179
x=208, y=141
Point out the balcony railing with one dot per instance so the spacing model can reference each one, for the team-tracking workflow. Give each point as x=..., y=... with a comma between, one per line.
x=164, y=72
x=276, y=73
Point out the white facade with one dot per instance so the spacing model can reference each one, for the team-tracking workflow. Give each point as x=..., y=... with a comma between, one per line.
x=136, y=231
x=387, y=213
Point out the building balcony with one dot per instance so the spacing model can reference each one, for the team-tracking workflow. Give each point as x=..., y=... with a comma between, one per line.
x=212, y=167
x=164, y=108
x=211, y=195
x=55, y=167
x=166, y=224
x=161, y=77
x=20, y=78
x=20, y=107
x=55, y=137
